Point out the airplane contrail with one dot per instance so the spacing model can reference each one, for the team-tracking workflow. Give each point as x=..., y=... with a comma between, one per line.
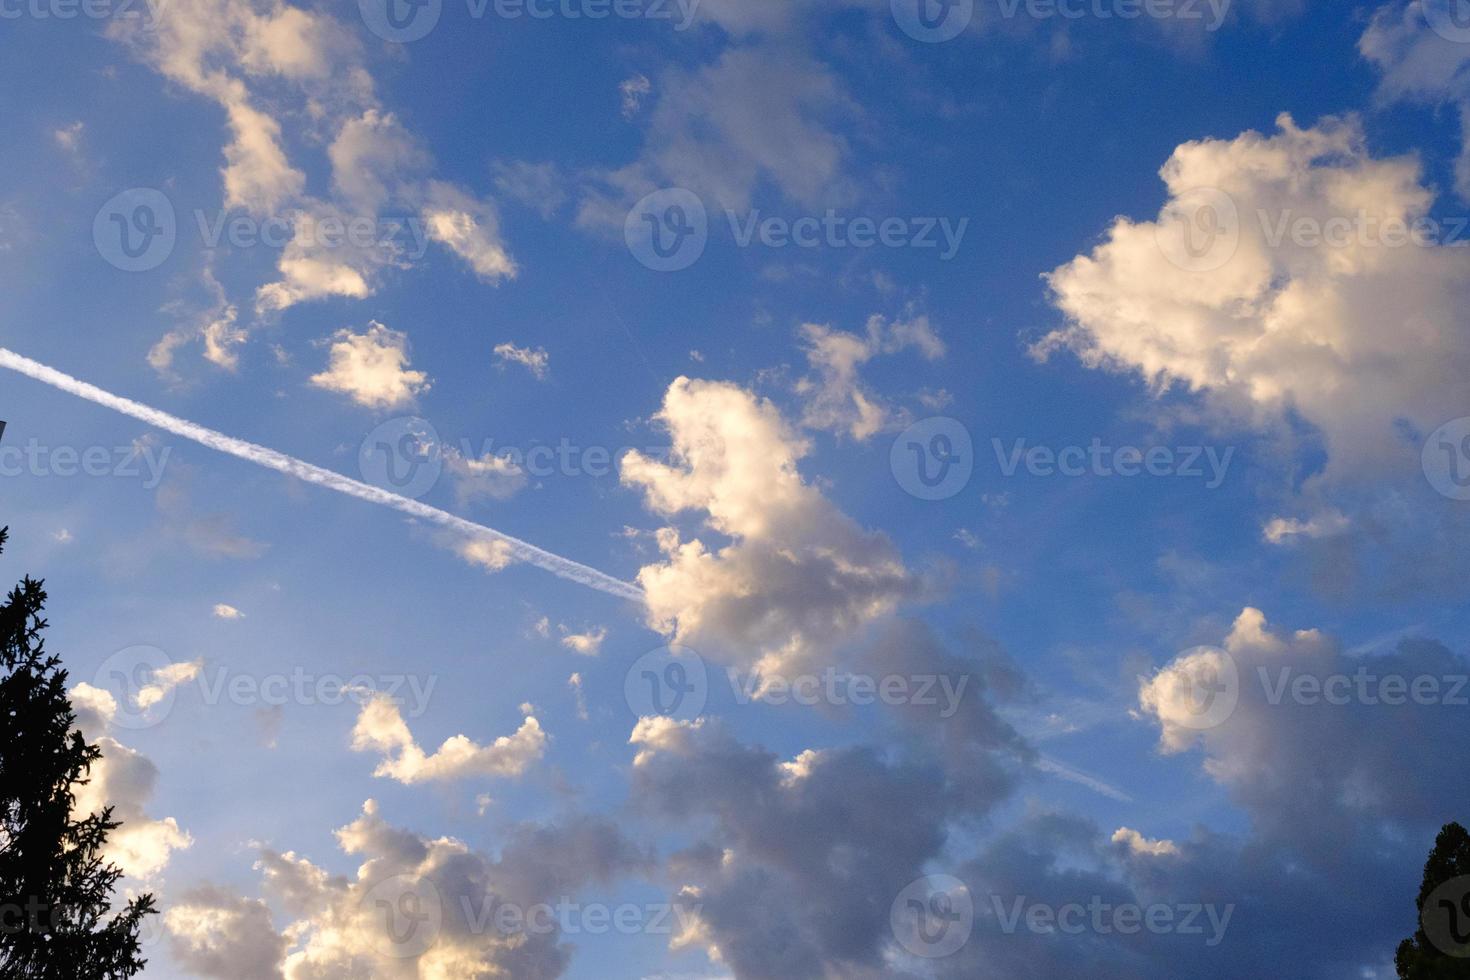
x=269, y=458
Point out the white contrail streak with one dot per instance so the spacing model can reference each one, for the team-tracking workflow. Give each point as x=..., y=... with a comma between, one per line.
x=269, y=458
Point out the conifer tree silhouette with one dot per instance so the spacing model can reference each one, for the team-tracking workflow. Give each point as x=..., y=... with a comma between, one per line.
x=56, y=911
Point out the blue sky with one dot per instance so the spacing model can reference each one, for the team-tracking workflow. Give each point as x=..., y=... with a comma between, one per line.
x=1104, y=233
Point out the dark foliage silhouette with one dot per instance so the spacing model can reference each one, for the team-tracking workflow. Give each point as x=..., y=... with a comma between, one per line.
x=1444, y=899
x=56, y=910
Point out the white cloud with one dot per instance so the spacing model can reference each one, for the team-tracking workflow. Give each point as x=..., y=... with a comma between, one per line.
x=270, y=65
x=124, y=779
x=470, y=228
x=381, y=728
x=1324, y=525
x=1136, y=843
x=372, y=368
x=1359, y=337
x=634, y=90
x=798, y=578
x=492, y=556
x=215, y=933
x=835, y=397
x=587, y=643
x=224, y=611
x=69, y=137
x=535, y=360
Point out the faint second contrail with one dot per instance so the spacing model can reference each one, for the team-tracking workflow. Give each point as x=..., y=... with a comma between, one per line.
x=269, y=458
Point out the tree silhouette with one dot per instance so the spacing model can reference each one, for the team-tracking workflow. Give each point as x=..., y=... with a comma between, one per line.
x=56, y=919
x=1444, y=902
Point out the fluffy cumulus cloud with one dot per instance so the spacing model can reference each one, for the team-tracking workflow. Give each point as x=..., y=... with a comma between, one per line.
x=380, y=728
x=270, y=65
x=797, y=578
x=835, y=396
x=1282, y=277
x=125, y=779
x=1324, y=749
x=216, y=933
x=807, y=854
x=372, y=368
x=416, y=909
